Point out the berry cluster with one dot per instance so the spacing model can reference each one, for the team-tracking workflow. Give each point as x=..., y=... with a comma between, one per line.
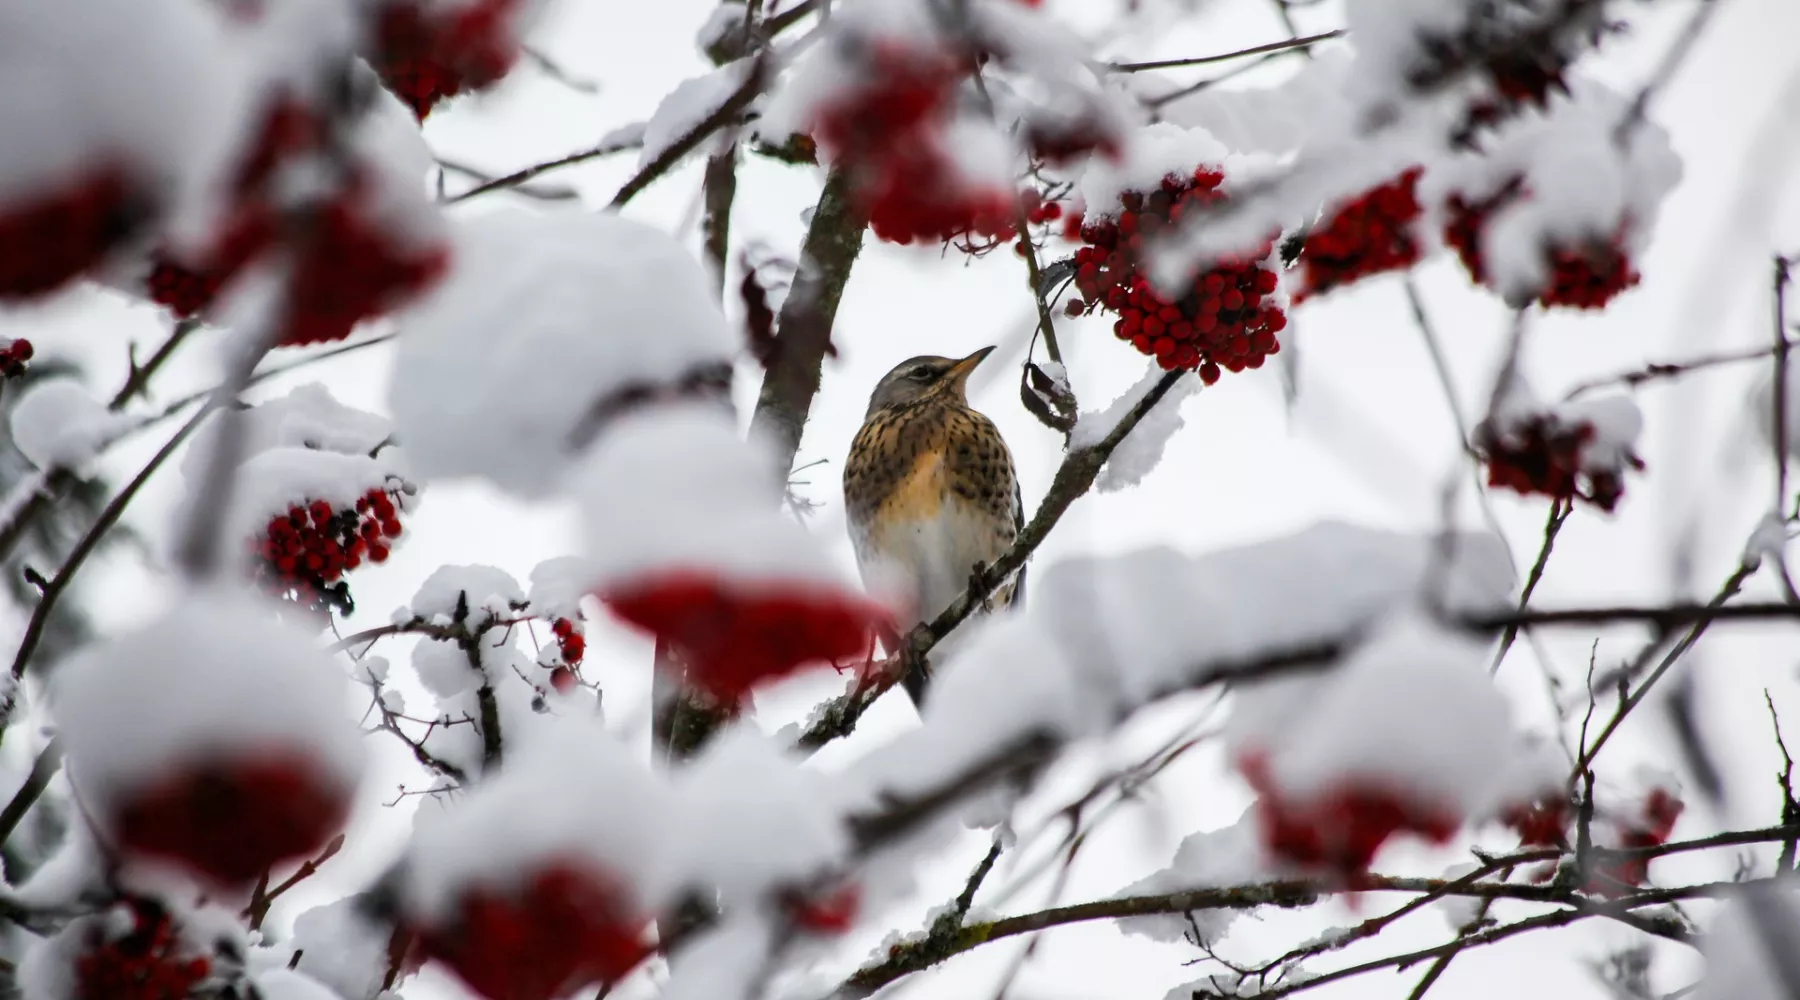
x=14, y=356
x=1581, y=277
x=1368, y=235
x=1660, y=811
x=1544, y=454
x=1222, y=320
x=354, y=268
x=830, y=912
x=1340, y=831
x=232, y=820
x=572, y=646
x=146, y=964
x=1539, y=823
x=426, y=53
x=50, y=240
x=733, y=637
x=188, y=283
x=302, y=555
x=889, y=133
x=188, y=287
x=565, y=929
x=351, y=266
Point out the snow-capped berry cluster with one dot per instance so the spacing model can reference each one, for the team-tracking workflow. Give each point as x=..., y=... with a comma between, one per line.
x=48, y=241
x=1575, y=451
x=150, y=962
x=1225, y=319
x=231, y=820
x=1367, y=235
x=1341, y=831
x=741, y=594
x=892, y=133
x=562, y=930
x=354, y=268
x=302, y=555
x=1583, y=276
x=427, y=51
x=733, y=637
x=14, y=356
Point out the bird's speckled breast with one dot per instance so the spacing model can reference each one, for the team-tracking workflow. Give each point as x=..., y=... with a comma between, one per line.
x=929, y=490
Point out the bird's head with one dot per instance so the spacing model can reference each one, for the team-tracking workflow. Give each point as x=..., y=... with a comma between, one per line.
x=926, y=377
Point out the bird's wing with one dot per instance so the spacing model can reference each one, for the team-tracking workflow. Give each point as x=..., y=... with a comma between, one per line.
x=1017, y=597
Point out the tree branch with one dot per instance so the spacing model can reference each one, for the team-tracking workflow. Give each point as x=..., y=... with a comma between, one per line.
x=725, y=114
x=40, y=615
x=803, y=337
x=49, y=759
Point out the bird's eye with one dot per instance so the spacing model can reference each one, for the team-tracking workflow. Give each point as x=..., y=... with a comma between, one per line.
x=920, y=374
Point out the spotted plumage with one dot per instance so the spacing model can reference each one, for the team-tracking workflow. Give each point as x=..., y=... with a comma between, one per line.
x=930, y=490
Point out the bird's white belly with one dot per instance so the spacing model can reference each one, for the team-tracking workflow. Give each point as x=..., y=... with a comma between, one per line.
x=926, y=561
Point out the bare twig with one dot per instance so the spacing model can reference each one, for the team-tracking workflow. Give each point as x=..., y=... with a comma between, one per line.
x=49, y=759
x=1559, y=512
x=1286, y=45
x=1780, y=430
x=1663, y=370
x=1790, y=807
x=1705, y=616
x=621, y=142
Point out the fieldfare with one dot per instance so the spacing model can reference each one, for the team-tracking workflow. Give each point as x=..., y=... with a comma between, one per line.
x=930, y=492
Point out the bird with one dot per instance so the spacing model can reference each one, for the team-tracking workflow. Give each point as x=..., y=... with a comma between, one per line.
x=930, y=493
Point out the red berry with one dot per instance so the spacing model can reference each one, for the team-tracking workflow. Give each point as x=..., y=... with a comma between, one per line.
x=732, y=637
x=565, y=929
x=49, y=240
x=231, y=820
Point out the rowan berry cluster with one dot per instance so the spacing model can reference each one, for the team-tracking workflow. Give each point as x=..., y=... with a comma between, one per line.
x=571, y=646
x=565, y=929
x=49, y=240
x=14, y=357
x=351, y=266
x=1585, y=276
x=1651, y=828
x=302, y=555
x=1368, y=235
x=146, y=964
x=426, y=52
x=1544, y=453
x=1341, y=830
x=230, y=820
x=1224, y=318
x=889, y=133
x=732, y=637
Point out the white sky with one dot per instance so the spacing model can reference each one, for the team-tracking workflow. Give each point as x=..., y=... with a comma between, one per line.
x=1370, y=442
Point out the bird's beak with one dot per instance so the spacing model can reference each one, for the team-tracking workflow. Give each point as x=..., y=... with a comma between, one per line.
x=962, y=369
